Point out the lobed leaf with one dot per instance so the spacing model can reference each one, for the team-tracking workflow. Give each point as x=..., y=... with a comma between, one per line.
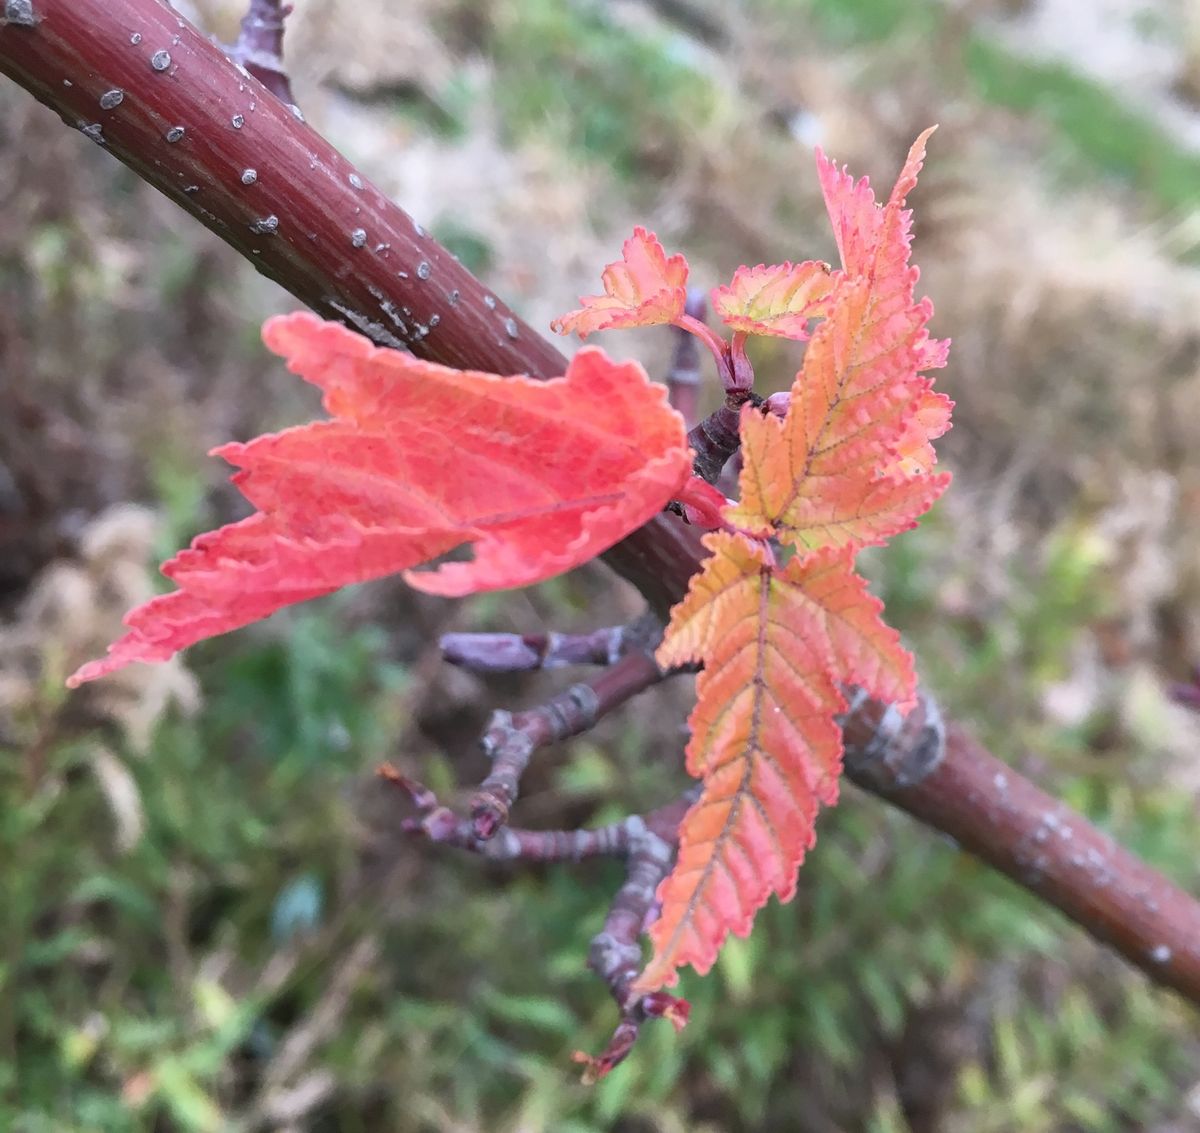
x=776, y=646
x=419, y=459
x=780, y=299
x=643, y=288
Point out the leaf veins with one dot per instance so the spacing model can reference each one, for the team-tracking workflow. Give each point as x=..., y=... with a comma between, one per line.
x=833, y=472
x=847, y=466
x=419, y=459
x=643, y=288
x=776, y=645
x=780, y=299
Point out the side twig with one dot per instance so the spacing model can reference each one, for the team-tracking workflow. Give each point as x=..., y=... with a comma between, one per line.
x=511, y=738
x=646, y=842
x=259, y=47
x=615, y=954
x=683, y=374
x=516, y=653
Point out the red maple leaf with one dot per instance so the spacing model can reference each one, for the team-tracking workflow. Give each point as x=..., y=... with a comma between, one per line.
x=538, y=477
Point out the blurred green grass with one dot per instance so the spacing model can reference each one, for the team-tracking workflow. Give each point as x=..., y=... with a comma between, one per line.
x=1094, y=132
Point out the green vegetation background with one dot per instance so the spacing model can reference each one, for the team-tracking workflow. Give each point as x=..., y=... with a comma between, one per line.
x=208, y=919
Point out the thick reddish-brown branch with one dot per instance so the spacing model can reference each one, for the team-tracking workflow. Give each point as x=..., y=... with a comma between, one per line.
x=137, y=78
x=130, y=73
x=946, y=779
x=141, y=81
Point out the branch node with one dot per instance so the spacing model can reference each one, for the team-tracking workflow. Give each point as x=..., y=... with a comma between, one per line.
x=510, y=740
x=573, y=711
x=19, y=13
x=714, y=441
x=888, y=751
x=509, y=745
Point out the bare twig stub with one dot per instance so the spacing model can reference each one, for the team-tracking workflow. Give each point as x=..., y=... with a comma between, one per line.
x=259, y=47
x=517, y=653
x=683, y=373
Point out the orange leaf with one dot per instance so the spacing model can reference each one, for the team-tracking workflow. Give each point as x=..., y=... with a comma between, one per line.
x=853, y=494
x=644, y=288
x=930, y=420
x=776, y=646
x=845, y=466
x=419, y=459
x=777, y=300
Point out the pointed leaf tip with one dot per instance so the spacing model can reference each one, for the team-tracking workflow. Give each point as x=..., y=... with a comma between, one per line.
x=858, y=223
x=847, y=465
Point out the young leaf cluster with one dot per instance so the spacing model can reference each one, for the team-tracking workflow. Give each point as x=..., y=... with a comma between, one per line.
x=777, y=616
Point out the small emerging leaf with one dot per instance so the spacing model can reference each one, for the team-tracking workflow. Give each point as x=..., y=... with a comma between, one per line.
x=643, y=288
x=777, y=300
